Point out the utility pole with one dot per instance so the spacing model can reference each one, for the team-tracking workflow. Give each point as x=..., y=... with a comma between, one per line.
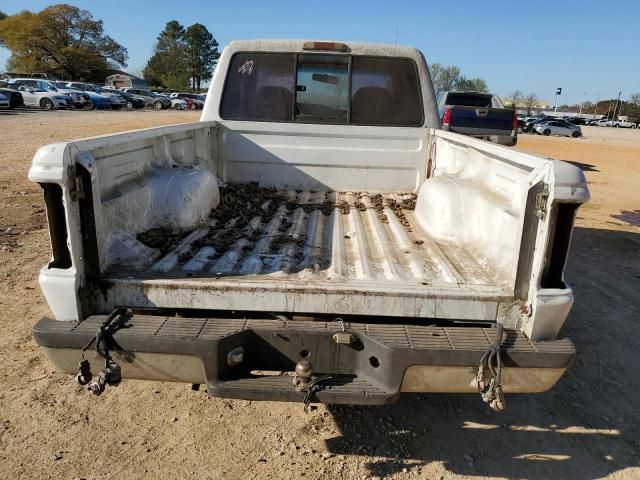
x=581, y=104
x=614, y=108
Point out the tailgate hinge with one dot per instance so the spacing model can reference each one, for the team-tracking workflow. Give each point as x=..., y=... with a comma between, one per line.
x=541, y=202
x=76, y=190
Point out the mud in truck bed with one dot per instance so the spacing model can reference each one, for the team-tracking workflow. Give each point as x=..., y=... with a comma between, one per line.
x=301, y=243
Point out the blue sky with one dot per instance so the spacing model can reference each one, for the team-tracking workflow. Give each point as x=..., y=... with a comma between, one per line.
x=587, y=47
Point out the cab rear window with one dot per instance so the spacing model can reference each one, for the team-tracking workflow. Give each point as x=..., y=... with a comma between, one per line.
x=322, y=88
x=470, y=100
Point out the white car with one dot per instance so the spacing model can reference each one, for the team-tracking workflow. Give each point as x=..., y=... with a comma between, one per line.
x=43, y=98
x=558, y=128
x=178, y=104
x=194, y=101
x=78, y=99
x=4, y=101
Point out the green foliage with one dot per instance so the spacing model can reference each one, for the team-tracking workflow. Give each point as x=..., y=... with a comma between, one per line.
x=182, y=56
x=471, y=85
x=448, y=77
x=167, y=66
x=61, y=39
x=201, y=52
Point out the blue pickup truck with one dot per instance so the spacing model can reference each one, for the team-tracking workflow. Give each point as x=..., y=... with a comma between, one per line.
x=480, y=115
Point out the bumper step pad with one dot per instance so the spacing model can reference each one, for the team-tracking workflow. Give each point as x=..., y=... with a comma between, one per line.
x=368, y=371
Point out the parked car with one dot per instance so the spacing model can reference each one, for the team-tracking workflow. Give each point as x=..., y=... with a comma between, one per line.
x=624, y=124
x=480, y=115
x=43, y=98
x=557, y=127
x=151, y=99
x=194, y=102
x=600, y=123
x=97, y=101
x=347, y=297
x=576, y=120
x=30, y=86
x=178, y=104
x=4, y=101
x=79, y=99
x=132, y=103
x=116, y=101
x=161, y=102
x=531, y=121
x=15, y=97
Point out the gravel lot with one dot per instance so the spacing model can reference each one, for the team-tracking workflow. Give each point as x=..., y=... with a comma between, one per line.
x=587, y=427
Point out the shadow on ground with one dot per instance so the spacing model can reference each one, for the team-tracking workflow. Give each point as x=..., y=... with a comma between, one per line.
x=585, y=167
x=586, y=427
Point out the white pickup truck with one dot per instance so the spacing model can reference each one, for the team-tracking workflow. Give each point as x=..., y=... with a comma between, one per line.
x=315, y=236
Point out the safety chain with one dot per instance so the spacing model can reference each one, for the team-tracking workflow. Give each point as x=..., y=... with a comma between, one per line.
x=111, y=373
x=310, y=388
x=488, y=380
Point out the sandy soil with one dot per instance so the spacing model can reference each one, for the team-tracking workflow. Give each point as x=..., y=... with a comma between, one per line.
x=587, y=427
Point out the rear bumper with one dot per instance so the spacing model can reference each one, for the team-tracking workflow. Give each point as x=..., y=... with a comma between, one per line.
x=503, y=137
x=384, y=361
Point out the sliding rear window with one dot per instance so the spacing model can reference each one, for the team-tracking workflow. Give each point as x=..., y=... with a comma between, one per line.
x=322, y=88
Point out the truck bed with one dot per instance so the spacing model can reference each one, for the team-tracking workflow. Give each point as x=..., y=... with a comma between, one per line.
x=313, y=243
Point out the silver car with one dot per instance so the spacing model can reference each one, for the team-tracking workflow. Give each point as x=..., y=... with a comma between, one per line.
x=555, y=127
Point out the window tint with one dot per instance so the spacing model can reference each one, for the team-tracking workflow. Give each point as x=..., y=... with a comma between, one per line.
x=259, y=86
x=322, y=88
x=385, y=91
x=469, y=100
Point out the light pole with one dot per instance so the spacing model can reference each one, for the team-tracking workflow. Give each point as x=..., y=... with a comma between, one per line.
x=558, y=93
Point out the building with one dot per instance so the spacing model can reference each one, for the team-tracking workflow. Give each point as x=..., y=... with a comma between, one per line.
x=125, y=80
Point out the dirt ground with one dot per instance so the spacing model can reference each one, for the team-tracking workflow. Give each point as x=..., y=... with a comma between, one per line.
x=586, y=427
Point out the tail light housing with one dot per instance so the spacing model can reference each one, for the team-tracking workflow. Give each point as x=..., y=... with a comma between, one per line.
x=446, y=118
x=515, y=120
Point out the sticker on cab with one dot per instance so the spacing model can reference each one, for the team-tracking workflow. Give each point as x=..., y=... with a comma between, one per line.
x=246, y=68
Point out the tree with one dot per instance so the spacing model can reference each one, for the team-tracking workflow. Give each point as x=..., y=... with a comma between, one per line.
x=471, y=85
x=167, y=66
x=2, y=17
x=516, y=98
x=448, y=77
x=444, y=77
x=530, y=101
x=201, y=53
x=635, y=98
x=60, y=39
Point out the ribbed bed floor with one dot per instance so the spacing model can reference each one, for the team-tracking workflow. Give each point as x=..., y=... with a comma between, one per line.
x=300, y=236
